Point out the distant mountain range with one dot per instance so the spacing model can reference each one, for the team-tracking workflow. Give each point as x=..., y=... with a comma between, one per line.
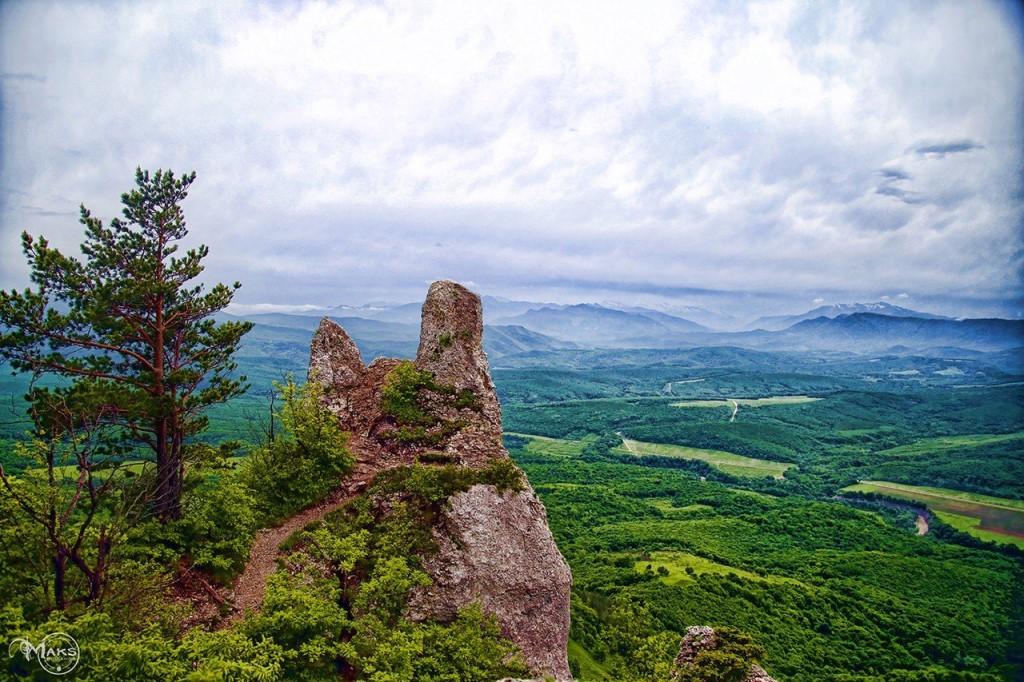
x=279, y=332
x=780, y=322
x=590, y=324
x=865, y=331
x=521, y=327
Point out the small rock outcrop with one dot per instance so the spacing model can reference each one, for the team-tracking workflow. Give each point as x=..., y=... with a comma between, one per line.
x=493, y=547
x=701, y=638
x=335, y=363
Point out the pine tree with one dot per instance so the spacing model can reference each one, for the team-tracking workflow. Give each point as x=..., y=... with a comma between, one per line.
x=129, y=329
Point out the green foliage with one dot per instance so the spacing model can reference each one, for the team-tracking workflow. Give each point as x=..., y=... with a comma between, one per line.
x=435, y=484
x=341, y=606
x=851, y=435
x=305, y=463
x=24, y=580
x=382, y=596
x=303, y=617
x=109, y=654
x=75, y=511
x=215, y=531
x=469, y=648
x=401, y=395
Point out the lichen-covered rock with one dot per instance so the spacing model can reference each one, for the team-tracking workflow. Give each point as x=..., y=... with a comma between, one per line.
x=493, y=547
x=701, y=638
x=496, y=548
x=334, y=362
x=698, y=638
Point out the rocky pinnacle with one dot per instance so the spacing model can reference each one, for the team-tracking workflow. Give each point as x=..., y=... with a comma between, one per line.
x=493, y=547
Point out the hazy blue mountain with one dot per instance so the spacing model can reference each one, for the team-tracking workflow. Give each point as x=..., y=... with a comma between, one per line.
x=501, y=340
x=711, y=319
x=864, y=332
x=780, y=322
x=589, y=324
x=497, y=308
x=357, y=326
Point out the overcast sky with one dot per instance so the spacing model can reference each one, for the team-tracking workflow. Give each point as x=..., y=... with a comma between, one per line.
x=755, y=157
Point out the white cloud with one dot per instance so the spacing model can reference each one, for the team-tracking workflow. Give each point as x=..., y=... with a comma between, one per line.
x=661, y=145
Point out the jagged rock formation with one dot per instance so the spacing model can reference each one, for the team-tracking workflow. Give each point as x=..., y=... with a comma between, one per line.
x=701, y=638
x=494, y=546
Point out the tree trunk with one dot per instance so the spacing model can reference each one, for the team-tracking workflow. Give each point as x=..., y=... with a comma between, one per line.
x=60, y=562
x=98, y=578
x=168, y=475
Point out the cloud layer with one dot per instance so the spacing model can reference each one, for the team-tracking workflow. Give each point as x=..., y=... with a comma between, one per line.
x=779, y=151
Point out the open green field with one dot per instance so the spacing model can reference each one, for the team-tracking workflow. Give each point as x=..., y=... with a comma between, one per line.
x=969, y=524
x=549, y=446
x=749, y=402
x=668, y=506
x=729, y=462
x=986, y=517
x=950, y=443
x=686, y=567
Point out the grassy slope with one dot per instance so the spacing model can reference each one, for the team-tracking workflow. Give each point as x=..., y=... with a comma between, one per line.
x=729, y=462
x=676, y=564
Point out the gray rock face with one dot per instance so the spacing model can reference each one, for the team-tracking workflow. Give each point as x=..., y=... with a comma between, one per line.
x=494, y=548
x=334, y=362
x=451, y=346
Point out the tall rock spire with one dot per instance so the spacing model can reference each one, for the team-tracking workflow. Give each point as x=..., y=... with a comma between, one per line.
x=451, y=345
x=494, y=546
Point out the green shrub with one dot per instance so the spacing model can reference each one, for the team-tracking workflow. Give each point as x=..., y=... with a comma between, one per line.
x=303, y=617
x=215, y=532
x=146, y=655
x=305, y=463
x=435, y=458
x=400, y=395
